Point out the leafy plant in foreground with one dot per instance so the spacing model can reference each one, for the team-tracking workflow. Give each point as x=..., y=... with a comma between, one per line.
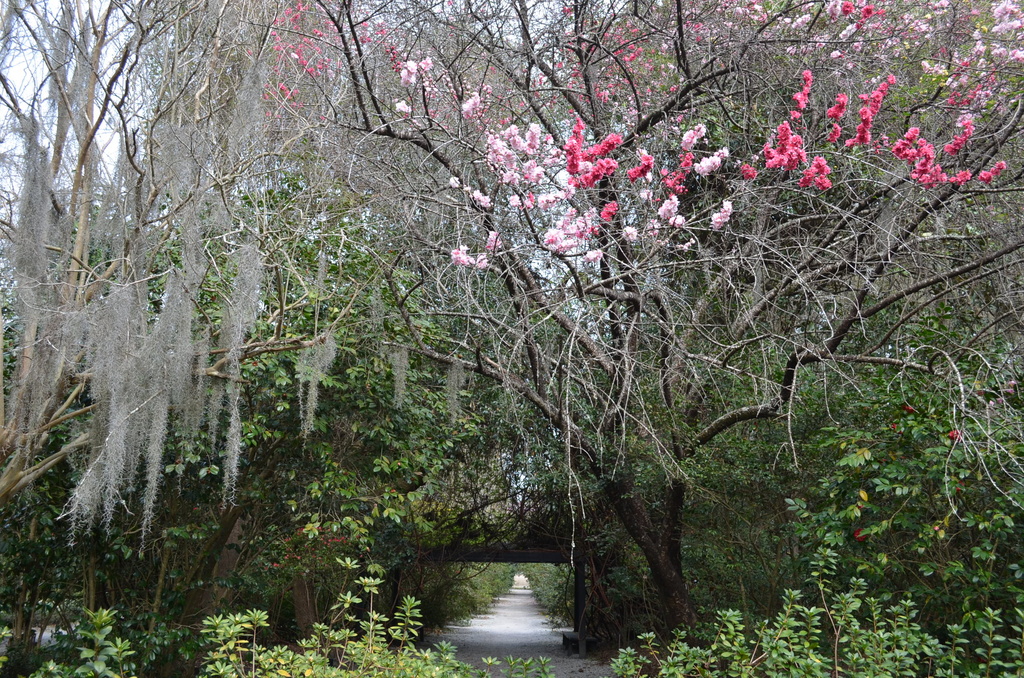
x=852, y=634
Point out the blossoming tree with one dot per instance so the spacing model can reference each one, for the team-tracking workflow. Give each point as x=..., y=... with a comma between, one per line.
x=649, y=221
x=653, y=222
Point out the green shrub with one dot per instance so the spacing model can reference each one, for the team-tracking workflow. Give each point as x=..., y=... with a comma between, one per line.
x=852, y=635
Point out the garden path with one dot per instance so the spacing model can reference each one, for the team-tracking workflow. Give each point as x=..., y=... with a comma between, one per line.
x=516, y=627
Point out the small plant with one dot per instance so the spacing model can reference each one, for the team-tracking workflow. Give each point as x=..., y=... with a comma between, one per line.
x=100, y=656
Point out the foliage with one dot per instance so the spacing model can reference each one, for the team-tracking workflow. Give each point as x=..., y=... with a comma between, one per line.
x=373, y=651
x=911, y=508
x=851, y=634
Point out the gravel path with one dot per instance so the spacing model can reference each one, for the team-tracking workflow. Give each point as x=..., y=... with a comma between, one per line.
x=516, y=626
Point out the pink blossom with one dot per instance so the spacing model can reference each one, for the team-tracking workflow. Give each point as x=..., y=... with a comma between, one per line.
x=532, y=141
x=461, y=258
x=847, y=8
x=493, y=241
x=472, y=105
x=609, y=210
x=593, y=256
x=748, y=172
x=481, y=199
x=403, y=107
x=499, y=155
x=532, y=172
x=692, y=136
x=548, y=200
x=722, y=216
x=454, y=182
x=481, y=261
x=669, y=208
x=409, y=69
x=836, y=132
x=1004, y=14
x=630, y=233
x=426, y=65
x=554, y=237
x=707, y=165
x=678, y=221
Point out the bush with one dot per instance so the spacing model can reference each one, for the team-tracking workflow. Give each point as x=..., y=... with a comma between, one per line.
x=853, y=635
x=914, y=510
x=376, y=648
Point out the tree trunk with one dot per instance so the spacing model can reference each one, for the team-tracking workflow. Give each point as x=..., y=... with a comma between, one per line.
x=304, y=598
x=657, y=548
x=198, y=580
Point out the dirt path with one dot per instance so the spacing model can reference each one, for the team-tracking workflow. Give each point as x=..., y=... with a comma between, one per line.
x=517, y=627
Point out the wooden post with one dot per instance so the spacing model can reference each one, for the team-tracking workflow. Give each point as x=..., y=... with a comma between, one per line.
x=580, y=604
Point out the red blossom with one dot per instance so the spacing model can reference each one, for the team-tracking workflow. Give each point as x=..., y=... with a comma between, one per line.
x=837, y=111
x=960, y=140
x=986, y=176
x=609, y=144
x=789, y=154
x=817, y=174
x=873, y=104
x=643, y=170
x=609, y=210
x=803, y=95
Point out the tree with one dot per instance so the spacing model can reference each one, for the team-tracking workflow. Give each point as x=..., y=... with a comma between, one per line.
x=134, y=268
x=653, y=222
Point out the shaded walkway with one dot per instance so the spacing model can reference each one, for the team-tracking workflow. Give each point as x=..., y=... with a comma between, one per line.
x=516, y=626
